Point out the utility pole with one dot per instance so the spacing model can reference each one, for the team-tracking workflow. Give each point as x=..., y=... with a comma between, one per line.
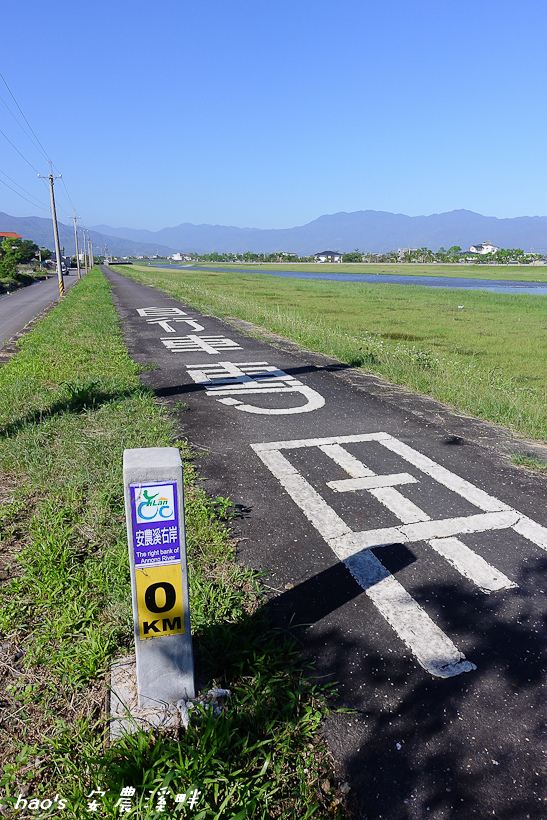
x=76, y=242
x=55, y=233
x=91, y=260
x=85, y=250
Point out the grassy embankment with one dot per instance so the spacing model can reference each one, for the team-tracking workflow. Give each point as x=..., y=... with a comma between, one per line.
x=480, y=352
x=70, y=402
x=517, y=273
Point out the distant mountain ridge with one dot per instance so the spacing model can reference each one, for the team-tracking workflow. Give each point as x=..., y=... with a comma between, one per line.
x=40, y=230
x=375, y=231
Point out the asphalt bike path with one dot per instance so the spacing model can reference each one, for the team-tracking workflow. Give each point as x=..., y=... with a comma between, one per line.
x=399, y=544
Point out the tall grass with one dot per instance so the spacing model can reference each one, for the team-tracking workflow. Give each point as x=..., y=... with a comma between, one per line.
x=515, y=273
x=482, y=353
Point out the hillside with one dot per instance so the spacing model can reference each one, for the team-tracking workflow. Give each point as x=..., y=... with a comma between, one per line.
x=375, y=231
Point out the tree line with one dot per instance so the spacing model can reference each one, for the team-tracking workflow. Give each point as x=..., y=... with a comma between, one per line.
x=503, y=256
x=16, y=252
x=455, y=254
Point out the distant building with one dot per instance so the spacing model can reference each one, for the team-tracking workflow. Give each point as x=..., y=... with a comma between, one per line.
x=328, y=256
x=7, y=235
x=180, y=257
x=402, y=252
x=483, y=247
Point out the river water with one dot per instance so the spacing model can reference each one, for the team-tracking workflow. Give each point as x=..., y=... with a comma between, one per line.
x=493, y=285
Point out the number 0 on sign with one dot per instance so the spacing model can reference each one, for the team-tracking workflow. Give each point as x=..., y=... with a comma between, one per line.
x=159, y=601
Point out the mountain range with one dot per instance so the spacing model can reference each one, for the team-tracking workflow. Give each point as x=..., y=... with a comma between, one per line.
x=375, y=231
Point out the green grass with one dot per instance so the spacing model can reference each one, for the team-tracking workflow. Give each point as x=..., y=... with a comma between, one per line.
x=532, y=462
x=70, y=403
x=517, y=273
x=480, y=352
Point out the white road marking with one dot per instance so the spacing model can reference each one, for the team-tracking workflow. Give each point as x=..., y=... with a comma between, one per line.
x=459, y=485
x=166, y=323
x=432, y=648
x=154, y=312
x=532, y=531
x=240, y=379
x=349, y=463
x=196, y=344
x=405, y=510
x=371, y=482
x=470, y=564
x=192, y=324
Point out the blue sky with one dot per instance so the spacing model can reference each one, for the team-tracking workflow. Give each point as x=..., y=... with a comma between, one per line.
x=269, y=114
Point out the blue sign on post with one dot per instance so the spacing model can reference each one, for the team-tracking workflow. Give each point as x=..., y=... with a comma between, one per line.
x=156, y=537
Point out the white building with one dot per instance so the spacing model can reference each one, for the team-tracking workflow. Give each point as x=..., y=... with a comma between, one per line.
x=328, y=256
x=483, y=247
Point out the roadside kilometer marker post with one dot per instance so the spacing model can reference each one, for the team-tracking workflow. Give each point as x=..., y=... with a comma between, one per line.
x=154, y=505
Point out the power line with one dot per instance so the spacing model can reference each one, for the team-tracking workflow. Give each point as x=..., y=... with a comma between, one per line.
x=23, y=189
x=21, y=195
x=38, y=143
x=25, y=119
x=19, y=152
x=27, y=135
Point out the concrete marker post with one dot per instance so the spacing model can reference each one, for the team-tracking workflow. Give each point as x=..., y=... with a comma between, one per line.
x=154, y=505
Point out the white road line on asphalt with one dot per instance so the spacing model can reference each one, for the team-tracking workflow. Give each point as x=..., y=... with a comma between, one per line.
x=165, y=324
x=471, y=565
x=247, y=384
x=199, y=344
x=349, y=463
x=293, y=444
x=532, y=531
x=459, y=485
x=423, y=531
x=371, y=482
x=154, y=312
x=405, y=510
x=240, y=379
x=432, y=648
x=314, y=402
x=192, y=323
x=445, y=527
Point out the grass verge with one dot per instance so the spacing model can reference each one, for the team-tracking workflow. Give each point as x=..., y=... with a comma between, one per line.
x=532, y=462
x=70, y=403
x=514, y=273
x=483, y=353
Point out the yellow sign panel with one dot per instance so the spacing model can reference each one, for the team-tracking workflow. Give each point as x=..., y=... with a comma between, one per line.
x=159, y=601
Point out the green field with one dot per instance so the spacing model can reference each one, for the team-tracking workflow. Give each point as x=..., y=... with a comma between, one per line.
x=480, y=352
x=516, y=273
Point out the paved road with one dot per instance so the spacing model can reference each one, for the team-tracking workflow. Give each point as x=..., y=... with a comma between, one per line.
x=406, y=552
x=20, y=307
